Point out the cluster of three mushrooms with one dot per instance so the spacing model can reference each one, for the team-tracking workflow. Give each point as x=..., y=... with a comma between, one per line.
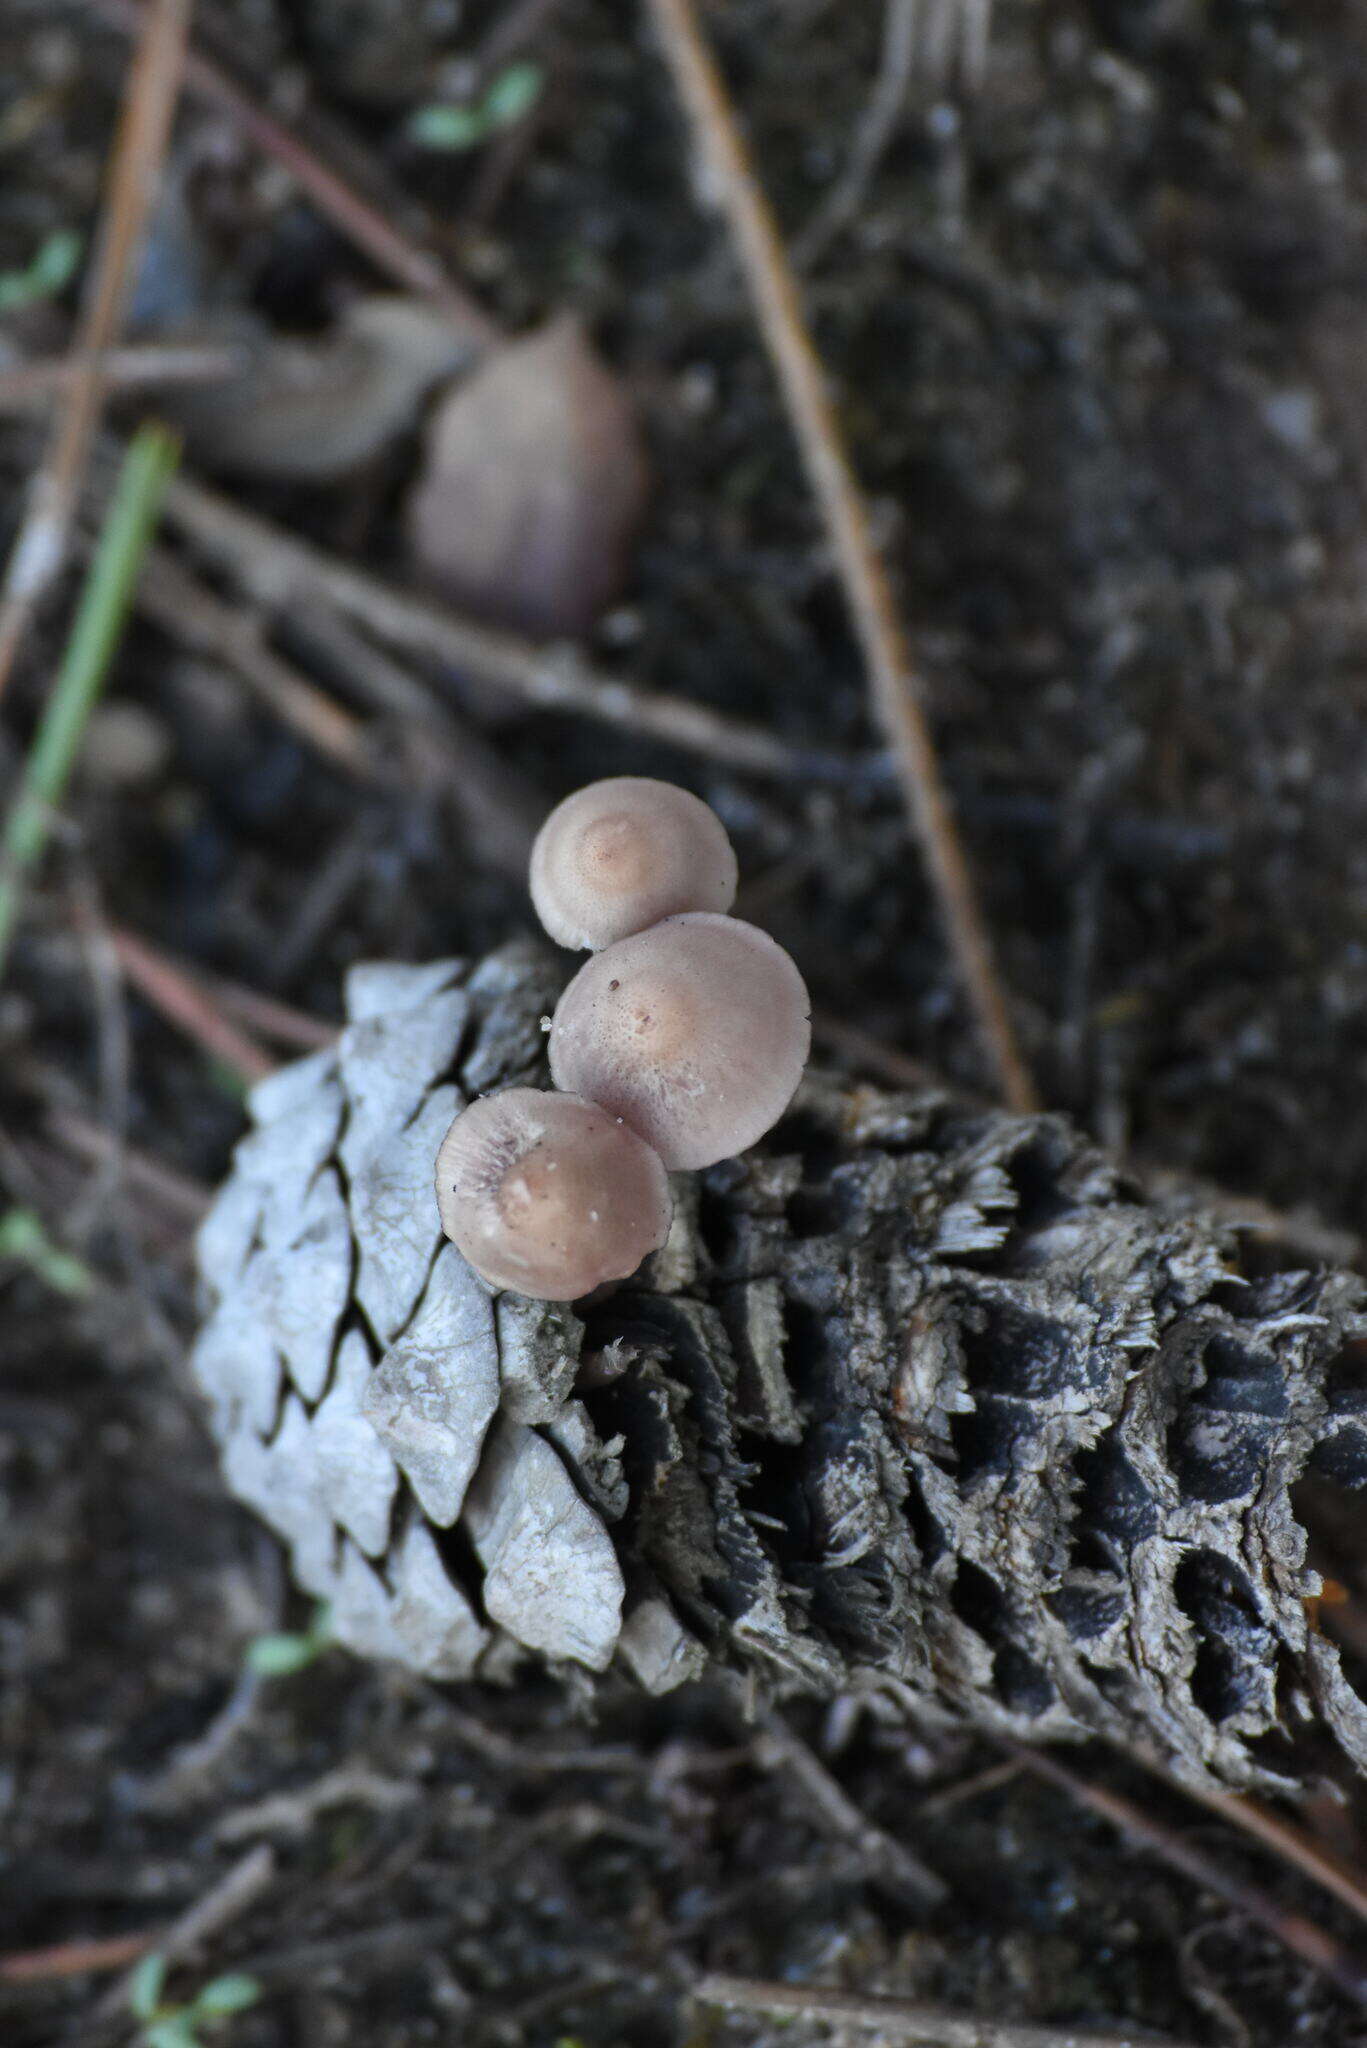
x=679, y=1043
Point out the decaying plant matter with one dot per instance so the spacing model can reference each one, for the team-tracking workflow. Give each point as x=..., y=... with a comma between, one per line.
x=916, y=1396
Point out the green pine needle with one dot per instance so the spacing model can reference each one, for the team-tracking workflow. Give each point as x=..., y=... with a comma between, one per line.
x=100, y=615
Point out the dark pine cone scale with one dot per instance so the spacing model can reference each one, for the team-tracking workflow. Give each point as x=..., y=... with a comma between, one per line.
x=917, y=1396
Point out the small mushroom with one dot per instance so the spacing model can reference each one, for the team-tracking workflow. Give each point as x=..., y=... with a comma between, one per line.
x=623, y=853
x=533, y=486
x=695, y=1033
x=548, y=1194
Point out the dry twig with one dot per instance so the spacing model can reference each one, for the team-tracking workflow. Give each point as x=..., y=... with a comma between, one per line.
x=1313, y=1239
x=263, y=1014
x=513, y=29
x=268, y=1016
x=872, y=135
x=535, y=1760
x=74, y=1958
x=280, y=570
x=1313, y=1945
x=906, y=2019
x=358, y=1956
x=40, y=548
x=294, y=1812
x=1313, y=1859
x=182, y=1200
x=837, y=1812
x=870, y=1055
x=485, y=793
x=28, y=385
x=375, y=233
x=186, y=608
x=499, y=808
x=1299, y=1230
x=952, y=38
x=183, y=1003
x=892, y=678
x=925, y=43
x=236, y=1892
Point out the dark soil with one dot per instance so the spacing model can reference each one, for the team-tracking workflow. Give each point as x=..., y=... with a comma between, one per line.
x=1099, y=345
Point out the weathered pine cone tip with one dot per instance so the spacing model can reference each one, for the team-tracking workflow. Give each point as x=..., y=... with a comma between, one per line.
x=914, y=1396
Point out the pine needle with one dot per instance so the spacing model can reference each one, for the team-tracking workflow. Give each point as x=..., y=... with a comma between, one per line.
x=100, y=615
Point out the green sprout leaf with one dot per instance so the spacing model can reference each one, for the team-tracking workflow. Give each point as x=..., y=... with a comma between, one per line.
x=23, y=1238
x=280, y=1656
x=173, y=2030
x=50, y=271
x=231, y=1993
x=511, y=95
x=446, y=128
x=145, y=1985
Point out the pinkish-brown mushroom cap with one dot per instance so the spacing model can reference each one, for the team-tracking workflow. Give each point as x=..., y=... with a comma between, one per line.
x=621, y=854
x=695, y=1032
x=549, y=1195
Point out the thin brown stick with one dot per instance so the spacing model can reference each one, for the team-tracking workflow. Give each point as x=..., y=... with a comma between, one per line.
x=236, y=1892
x=515, y=26
x=972, y=1787
x=863, y=1049
x=74, y=1958
x=499, y=808
x=124, y=369
x=496, y=810
x=1312, y=1944
x=183, y=1200
x=269, y=1017
x=1313, y=1859
x=872, y=135
x=354, y=1958
x=161, y=982
x=513, y=1753
x=894, y=687
x=279, y=570
x=955, y=41
x=186, y=608
x=264, y=1014
x=144, y=130
x=907, y=2019
x=294, y=1812
x=386, y=244
x=827, y=1799
x=1298, y=1230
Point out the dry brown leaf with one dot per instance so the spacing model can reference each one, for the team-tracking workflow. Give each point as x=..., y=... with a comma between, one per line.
x=534, y=486
x=309, y=410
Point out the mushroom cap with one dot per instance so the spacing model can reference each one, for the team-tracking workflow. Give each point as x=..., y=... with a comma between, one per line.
x=549, y=1195
x=621, y=854
x=695, y=1033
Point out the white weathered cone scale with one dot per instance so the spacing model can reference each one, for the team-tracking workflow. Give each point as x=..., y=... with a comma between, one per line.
x=353, y=1362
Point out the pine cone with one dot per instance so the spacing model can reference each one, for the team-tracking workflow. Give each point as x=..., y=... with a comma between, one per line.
x=916, y=1396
